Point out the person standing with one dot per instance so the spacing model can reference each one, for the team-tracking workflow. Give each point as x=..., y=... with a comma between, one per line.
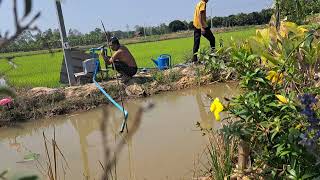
x=201, y=28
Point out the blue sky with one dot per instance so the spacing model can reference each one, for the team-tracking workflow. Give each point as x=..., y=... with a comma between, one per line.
x=85, y=15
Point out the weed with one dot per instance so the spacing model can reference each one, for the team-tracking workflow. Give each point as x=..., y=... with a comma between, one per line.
x=174, y=76
x=159, y=77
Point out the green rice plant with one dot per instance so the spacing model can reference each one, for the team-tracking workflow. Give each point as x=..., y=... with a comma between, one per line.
x=37, y=70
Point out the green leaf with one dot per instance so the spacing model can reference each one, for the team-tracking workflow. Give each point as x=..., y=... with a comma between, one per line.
x=28, y=7
x=292, y=107
x=308, y=176
x=291, y=177
x=265, y=97
x=283, y=108
x=279, y=149
x=29, y=178
x=273, y=104
x=308, y=41
x=264, y=124
x=284, y=153
x=31, y=157
x=260, y=80
x=252, y=57
x=273, y=135
x=292, y=172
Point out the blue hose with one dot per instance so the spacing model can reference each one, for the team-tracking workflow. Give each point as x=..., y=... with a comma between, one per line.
x=126, y=114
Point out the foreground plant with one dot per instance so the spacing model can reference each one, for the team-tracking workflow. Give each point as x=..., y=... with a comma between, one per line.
x=221, y=154
x=275, y=128
x=216, y=63
x=266, y=120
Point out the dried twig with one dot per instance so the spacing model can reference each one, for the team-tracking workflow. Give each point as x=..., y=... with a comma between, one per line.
x=54, y=152
x=3, y=174
x=64, y=158
x=50, y=174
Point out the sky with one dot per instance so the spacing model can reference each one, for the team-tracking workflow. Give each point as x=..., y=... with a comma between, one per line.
x=85, y=15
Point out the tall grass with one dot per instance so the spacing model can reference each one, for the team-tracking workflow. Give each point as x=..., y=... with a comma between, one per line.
x=221, y=152
x=44, y=69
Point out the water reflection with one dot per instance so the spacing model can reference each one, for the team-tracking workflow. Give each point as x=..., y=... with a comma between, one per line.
x=84, y=126
x=15, y=145
x=205, y=115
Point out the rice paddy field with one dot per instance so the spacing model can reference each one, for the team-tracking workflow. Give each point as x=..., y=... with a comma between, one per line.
x=43, y=70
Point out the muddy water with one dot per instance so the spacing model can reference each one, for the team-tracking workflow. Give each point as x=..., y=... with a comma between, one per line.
x=167, y=146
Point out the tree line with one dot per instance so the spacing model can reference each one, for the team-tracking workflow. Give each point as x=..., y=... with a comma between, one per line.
x=50, y=38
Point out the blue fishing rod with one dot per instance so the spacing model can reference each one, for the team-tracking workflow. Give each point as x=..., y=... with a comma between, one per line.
x=97, y=68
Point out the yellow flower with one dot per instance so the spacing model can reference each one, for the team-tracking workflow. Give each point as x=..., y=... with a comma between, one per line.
x=216, y=107
x=282, y=99
x=271, y=74
x=299, y=126
x=275, y=77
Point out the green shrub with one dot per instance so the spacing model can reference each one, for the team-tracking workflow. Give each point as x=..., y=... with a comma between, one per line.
x=272, y=114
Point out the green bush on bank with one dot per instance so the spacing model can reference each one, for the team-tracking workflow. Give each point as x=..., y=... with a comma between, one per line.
x=276, y=118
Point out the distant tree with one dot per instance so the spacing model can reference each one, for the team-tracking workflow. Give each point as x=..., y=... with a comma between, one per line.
x=163, y=28
x=298, y=10
x=217, y=21
x=241, y=19
x=74, y=32
x=190, y=25
x=265, y=15
x=186, y=24
x=232, y=20
x=177, y=25
x=139, y=30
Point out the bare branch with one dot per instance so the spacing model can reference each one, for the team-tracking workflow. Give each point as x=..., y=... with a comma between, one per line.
x=19, y=28
x=28, y=7
x=15, y=13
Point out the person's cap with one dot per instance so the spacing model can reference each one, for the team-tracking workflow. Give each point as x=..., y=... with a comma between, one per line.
x=114, y=40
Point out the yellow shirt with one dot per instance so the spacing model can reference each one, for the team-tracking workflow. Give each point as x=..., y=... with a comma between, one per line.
x=201, y=6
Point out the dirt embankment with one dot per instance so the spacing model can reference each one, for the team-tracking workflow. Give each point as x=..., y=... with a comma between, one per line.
x=44, y=102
